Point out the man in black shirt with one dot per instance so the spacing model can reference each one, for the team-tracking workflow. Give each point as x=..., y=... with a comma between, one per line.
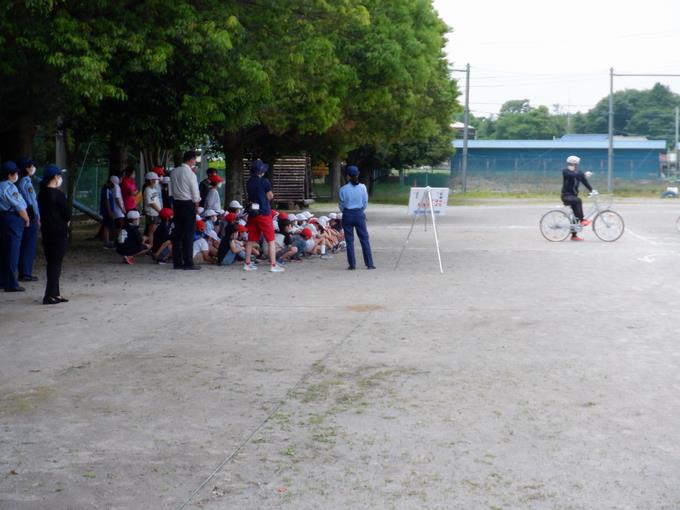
x=571, y=178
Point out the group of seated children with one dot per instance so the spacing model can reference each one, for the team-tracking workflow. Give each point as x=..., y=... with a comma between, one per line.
x=221, y=236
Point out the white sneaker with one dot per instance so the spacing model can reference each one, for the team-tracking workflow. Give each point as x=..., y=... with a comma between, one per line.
x=249, y=267
x=276, y=269
x=326, y=257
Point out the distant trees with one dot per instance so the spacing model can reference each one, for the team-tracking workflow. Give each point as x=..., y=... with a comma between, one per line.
x=649, y=113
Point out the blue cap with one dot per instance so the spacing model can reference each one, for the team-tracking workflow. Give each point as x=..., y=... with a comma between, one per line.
x=352, y=171
x=51, y=171
x=25, y=163
x=9, y=167
x=258, y=167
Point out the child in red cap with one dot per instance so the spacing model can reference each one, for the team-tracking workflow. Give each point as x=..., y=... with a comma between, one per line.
x=212, y=198
x=201, y=246
x=162, y=239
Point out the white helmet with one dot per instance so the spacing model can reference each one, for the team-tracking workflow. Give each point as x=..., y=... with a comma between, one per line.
x=573, y=160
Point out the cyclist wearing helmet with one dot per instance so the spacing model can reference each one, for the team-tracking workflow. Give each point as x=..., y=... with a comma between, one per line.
x=571, y=178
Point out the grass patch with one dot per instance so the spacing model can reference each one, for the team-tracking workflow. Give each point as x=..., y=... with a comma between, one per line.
x=27, y=401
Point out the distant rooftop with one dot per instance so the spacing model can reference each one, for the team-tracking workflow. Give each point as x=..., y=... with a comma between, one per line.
x=596, y=137
x=573, y=141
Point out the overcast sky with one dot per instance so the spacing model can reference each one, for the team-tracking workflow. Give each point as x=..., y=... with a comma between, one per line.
x=560, y=52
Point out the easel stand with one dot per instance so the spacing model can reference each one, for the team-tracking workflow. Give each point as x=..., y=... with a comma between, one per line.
x=428, y=195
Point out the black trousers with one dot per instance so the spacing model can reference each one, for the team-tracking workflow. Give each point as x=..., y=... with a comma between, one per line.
x=55, y=249
x=183, y=238
x=575, y=203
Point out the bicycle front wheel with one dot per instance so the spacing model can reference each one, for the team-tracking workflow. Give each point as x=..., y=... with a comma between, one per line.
x=608, y=225
x=555, y=225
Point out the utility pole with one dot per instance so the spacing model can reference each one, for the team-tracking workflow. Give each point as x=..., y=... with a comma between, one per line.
x=466, y=121
x=610, y=151
x=677, y=130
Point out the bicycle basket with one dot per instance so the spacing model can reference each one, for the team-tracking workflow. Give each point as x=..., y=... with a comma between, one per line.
x=604, y=200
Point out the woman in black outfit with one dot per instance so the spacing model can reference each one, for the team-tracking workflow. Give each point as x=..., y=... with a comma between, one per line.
x=55, y=217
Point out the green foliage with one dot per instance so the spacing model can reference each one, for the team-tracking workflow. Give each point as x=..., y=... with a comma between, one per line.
x=518, y=120
x=326, y=76
x=648, y=113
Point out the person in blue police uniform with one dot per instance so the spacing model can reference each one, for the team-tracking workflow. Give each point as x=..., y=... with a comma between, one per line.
x=29, y=239
x=13, y=220
x=54, y=223
x=353, y=202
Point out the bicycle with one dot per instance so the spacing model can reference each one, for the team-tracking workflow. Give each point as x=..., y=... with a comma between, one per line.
x=557, y=224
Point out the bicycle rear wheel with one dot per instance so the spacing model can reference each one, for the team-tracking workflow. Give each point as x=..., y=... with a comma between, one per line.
x=555, y=225
x=608, y=225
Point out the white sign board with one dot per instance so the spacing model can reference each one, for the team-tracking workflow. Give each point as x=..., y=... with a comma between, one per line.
x=418, y=203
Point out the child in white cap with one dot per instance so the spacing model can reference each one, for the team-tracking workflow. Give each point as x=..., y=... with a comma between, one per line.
x=118, y=206
x=152, y=204
x=131, y=243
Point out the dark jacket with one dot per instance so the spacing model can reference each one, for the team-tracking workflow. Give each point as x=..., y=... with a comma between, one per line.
x=54, y=213
x=571, y=180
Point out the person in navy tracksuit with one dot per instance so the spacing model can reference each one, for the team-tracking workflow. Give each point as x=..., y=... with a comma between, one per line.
x=13, y=220
x=29, y=239
x=353, y=203
x=54, y=227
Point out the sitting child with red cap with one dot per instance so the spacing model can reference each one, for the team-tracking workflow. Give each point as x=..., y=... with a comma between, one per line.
x=203, y=252
x=162, y=239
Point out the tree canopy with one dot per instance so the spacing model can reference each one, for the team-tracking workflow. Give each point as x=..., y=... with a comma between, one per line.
x=326, y=76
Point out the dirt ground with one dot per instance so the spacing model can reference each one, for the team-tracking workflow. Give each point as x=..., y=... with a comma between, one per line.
x=530, y=375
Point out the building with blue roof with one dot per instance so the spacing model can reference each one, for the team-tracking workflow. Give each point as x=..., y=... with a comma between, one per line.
x=634, y=157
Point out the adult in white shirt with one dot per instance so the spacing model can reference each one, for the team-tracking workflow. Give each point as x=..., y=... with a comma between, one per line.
x=186, y=199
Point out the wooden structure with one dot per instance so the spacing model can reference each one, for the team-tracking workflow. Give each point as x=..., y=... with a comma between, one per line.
x=291, y=178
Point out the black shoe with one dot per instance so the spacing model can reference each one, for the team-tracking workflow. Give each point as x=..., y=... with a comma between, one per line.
x=350, y=268
x=192, y=268
x=370, y=267
x=28, y=278
x=177, y=267
x=61, y=299
x=17, y=289
x=48, y=300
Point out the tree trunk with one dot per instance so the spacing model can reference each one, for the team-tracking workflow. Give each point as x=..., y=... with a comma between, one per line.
x=233, y=149
x=71, y=144
x=118, y=157
x=234, y=185
x=336, y=178
x=17, y=142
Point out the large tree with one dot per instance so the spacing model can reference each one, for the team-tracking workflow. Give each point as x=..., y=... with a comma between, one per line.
x=519, y=120
x=330, y=76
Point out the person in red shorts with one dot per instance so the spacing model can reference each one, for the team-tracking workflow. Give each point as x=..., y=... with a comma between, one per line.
x=260, y=223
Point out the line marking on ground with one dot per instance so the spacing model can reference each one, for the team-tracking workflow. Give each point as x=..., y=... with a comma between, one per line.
x=466, y=227
x=641, y=238
x=303, y=379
